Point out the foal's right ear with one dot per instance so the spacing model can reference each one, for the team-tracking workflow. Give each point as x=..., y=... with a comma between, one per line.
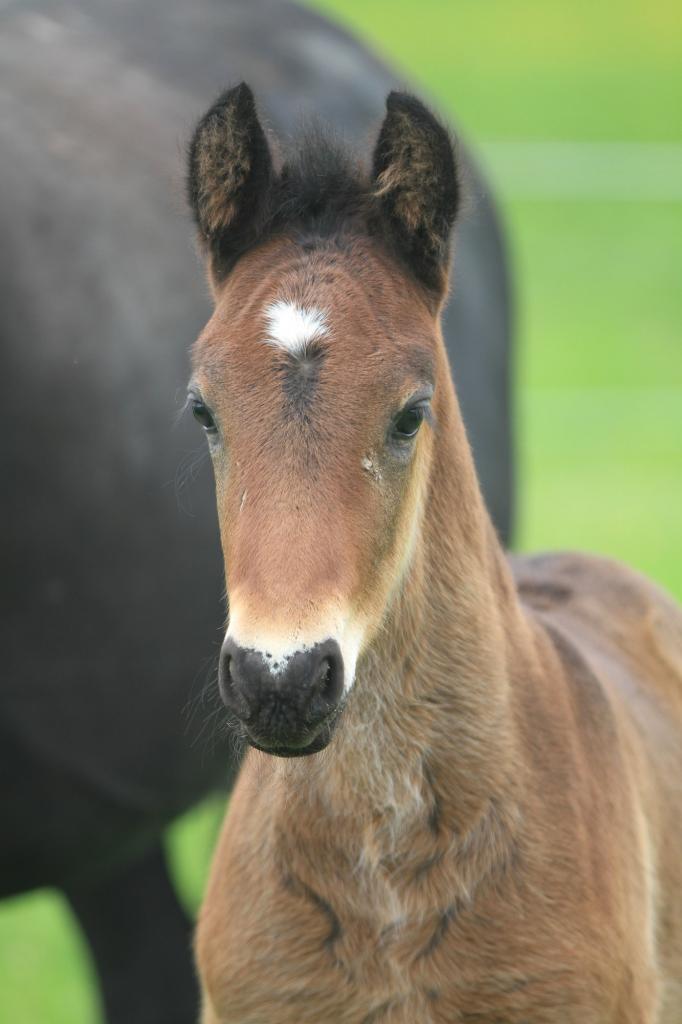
x=229, y=174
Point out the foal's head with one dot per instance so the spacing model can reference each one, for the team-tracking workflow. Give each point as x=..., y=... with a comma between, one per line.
x=317, y=383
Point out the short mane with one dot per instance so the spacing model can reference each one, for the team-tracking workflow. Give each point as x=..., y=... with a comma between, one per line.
x=321, y=187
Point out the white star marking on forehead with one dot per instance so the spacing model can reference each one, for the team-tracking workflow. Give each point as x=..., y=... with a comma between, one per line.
x=293, y=327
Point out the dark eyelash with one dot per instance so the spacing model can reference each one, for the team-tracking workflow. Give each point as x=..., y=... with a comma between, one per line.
x=430, y=416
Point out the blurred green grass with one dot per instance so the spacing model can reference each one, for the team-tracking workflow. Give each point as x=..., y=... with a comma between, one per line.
x=535, y=69
x=599, y=363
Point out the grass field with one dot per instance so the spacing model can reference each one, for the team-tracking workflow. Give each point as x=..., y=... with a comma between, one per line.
x=575, y=111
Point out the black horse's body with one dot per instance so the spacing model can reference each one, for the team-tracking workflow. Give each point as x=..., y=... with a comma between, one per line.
x=111, y=580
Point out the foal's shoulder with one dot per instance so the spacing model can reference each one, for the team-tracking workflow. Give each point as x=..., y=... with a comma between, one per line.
x=594, y=582
x=604, y=604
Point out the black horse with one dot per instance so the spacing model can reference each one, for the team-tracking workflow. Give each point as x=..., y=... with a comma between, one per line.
x=110, y=587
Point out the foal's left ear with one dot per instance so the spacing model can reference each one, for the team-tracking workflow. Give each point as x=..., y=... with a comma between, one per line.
x=416, y=183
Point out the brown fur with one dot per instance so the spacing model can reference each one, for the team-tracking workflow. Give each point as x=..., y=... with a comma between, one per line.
x=494, y=833
x=411, y=178
x=223, y=165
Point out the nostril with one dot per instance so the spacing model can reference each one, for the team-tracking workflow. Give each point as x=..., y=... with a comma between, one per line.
x=328, y=682
x=230, y=692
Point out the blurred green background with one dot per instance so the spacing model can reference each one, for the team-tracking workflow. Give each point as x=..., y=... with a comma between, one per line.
x=576, y=112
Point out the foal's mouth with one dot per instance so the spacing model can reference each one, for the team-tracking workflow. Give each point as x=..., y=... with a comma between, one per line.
x=309, y=742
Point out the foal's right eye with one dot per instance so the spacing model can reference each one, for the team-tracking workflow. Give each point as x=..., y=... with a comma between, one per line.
x=203, y=415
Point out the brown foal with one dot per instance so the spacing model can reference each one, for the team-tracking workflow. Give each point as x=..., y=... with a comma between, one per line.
x=488, y=827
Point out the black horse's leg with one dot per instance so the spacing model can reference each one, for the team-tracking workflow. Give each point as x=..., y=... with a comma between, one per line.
x=140, y=938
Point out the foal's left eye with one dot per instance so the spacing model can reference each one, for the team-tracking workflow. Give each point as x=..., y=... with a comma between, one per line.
x=409, y=421
x=202, y=414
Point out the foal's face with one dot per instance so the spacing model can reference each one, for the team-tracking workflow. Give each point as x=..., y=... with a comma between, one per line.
x=314, y=380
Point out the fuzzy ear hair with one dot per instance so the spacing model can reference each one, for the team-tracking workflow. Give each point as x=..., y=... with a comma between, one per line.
x=416, y=183
x=229, y=174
